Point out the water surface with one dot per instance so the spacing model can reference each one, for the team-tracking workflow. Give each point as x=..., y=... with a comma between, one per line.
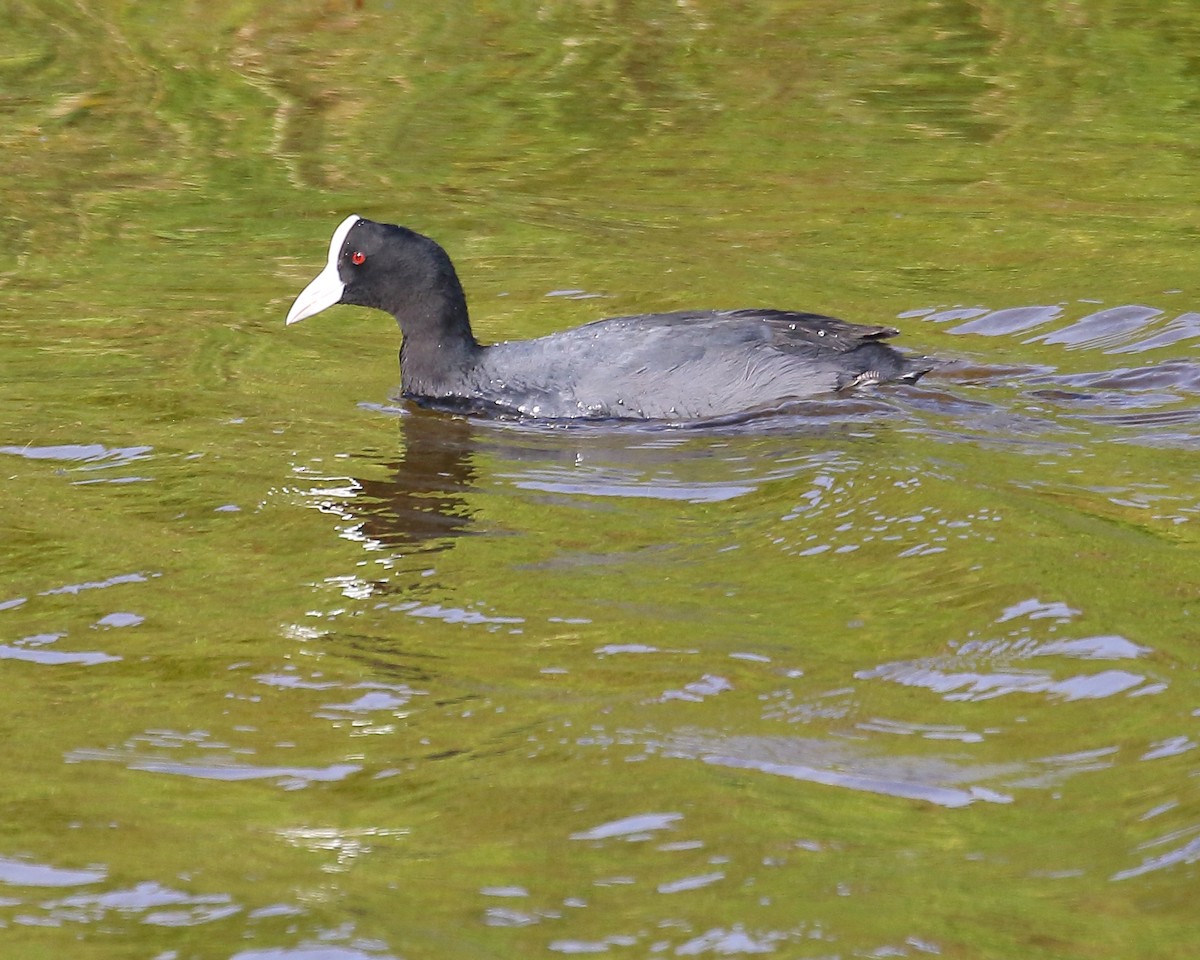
x=292, y=669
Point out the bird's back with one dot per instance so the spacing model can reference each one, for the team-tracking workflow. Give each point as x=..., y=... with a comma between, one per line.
x=687, y=365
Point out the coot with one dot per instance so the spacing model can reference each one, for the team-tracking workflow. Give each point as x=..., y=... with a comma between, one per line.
x=683, y=366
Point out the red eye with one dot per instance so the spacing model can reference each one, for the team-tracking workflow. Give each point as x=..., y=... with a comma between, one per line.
x=357, y=257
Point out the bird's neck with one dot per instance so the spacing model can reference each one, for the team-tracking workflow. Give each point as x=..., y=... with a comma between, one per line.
x=438, y=345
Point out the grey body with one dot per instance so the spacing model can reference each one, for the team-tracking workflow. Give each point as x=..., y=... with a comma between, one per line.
x=678, y=366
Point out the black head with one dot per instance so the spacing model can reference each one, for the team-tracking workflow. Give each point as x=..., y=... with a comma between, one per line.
x=389, y=268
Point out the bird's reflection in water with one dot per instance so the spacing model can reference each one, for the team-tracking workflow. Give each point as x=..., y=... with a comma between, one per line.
x=422, y=502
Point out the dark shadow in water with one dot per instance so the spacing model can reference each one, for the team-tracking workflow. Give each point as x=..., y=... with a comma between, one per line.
x=424, y=500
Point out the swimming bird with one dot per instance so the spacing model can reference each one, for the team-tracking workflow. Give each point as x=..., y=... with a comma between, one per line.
x=688, y=365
